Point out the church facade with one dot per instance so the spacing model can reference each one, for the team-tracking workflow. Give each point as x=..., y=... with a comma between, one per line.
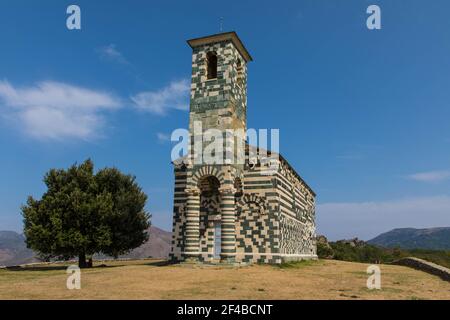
x=235, y=211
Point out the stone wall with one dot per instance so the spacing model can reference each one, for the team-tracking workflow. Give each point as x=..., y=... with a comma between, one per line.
x=178, y=226
x=296, y=214
x=426, y=266
x=257, y=219
x=274, y=216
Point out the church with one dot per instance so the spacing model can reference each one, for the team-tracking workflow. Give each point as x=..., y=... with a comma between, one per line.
x=235, y=212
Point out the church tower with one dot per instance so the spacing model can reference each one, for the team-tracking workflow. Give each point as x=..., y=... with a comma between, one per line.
x=219, y=82
x=228, y=209
x=218, y=104
x=218, y=98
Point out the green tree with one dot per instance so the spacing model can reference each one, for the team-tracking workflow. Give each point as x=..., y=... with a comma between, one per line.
x=83, y=213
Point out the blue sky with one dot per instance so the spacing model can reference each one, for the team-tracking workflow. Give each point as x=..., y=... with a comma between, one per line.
x=364, y=116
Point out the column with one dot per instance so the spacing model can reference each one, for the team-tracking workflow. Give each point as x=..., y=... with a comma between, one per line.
x=228, y=210
x=192, y=233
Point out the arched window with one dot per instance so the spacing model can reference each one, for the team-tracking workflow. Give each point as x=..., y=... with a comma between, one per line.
x=211, y=59
x=240, y=73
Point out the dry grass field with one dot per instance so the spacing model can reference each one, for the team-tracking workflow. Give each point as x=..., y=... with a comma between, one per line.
x=150, y=279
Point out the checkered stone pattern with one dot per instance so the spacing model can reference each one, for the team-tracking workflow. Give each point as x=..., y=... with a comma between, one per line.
x=230, y=86
x=271, y=219
x=254, y=226
x=266, y=232
x=178, y=233
x=255, y=229
x=296, y=237
x=179, y=216
x=297, y=214
x=219, y=103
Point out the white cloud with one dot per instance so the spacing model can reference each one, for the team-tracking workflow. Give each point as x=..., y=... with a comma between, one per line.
x=163, y=137
x=54, y=111
x=430, y=176
x=110, y=52
x=368, y=219
x=173, y=96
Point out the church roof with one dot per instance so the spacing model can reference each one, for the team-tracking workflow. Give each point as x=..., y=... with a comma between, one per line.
x=226, y=36
x=283, y=159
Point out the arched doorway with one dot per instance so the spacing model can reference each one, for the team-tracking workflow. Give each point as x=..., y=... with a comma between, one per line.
x=217, y=239
x=210, y=217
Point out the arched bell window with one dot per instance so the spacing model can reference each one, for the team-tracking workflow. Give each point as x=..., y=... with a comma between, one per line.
x=240, y=73
x=211, y=60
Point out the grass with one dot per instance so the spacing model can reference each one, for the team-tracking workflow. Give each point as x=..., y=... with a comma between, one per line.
x=298, y=264
x=149, y=279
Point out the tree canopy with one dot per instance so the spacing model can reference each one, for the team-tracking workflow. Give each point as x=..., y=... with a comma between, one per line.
x=83, y=213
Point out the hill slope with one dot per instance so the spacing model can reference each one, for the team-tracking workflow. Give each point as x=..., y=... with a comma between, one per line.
x=157, y=246
x=355, y=250
x=13, y=250
x=409, y=238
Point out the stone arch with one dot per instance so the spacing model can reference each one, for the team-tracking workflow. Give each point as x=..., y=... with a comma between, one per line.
x=211, y=65
x=238, y=185
x=248, y=200
x=207, y=171
x=253, y=224
x=208, y=184
x=239, y=73
x=209, y=211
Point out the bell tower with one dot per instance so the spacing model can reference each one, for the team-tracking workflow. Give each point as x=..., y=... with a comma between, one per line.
x=218, y=104
x=218, y=98
x=219, y=82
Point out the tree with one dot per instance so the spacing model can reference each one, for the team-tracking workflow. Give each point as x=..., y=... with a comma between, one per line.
x=83, y=213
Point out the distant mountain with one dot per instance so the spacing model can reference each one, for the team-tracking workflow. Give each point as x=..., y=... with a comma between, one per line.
x=157, y=246
x=409, y=238
x=13, y=250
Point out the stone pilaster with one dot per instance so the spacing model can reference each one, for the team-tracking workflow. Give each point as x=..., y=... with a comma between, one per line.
x=228, y=238
x=192, y=233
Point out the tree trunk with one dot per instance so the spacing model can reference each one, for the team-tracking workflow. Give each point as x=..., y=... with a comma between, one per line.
x=89, y=263
x=82, y=260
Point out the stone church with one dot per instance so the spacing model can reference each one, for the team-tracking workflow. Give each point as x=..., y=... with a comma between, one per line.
x=235, y=212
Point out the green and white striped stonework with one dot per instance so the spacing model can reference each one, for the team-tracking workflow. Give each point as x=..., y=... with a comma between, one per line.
x=264, y=218
x=228, y=221
x=219, y=103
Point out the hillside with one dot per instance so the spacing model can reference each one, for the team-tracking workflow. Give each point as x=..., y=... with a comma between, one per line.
x=356, y=250
x=409, y=238
x=157, y=246
x=13, y=250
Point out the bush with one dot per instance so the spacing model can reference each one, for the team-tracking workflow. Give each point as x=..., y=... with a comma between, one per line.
x=366, y=253
x=324, y=251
